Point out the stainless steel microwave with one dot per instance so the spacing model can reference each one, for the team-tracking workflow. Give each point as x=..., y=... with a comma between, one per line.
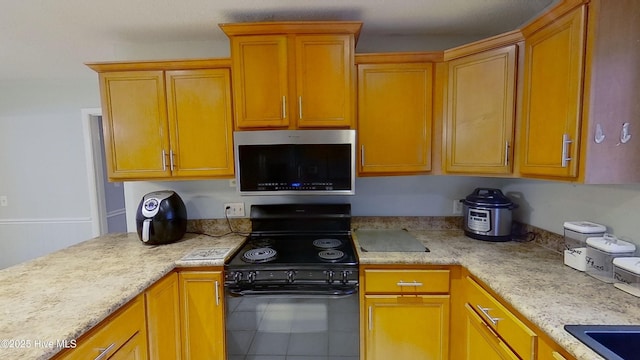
x=295, y=162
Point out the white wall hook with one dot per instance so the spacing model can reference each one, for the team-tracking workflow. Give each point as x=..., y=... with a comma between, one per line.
x=599, y=137
x=625, y=136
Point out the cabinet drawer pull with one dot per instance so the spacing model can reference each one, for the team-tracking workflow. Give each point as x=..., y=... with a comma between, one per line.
x=164, y=160
x=104, y=352
x=414, y=283
x=171, y=164
x=485, y=311
x=370, y=318
x=557, y=356
x=362, y=155
x=565, y=150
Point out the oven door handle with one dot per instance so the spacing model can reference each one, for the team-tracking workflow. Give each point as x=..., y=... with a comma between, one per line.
x=333, y=293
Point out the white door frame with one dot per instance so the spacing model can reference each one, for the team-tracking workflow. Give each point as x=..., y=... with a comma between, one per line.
x=92, y=150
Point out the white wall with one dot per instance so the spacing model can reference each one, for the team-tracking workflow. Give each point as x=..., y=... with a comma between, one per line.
x=42, y=166
x=375, y=196
x=548, y=205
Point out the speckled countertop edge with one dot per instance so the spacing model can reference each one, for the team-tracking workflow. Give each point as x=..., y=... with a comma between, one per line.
x=78, y=287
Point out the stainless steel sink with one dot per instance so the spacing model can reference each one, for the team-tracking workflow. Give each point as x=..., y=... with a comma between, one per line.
x=613, y=342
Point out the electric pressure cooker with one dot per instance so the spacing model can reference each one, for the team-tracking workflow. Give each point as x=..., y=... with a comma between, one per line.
x=487, y=215
x=161, y=218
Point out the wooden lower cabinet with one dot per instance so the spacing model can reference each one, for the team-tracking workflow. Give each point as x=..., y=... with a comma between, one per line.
x=122, y=336
x=481, y=342
x=202, y=313
x=163, y=319
x=407, y=327
x=405, y=314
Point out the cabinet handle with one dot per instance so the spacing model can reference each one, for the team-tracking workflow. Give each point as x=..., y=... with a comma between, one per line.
x=171, y=154
x=104, y=352
x=557, y=356
x=362, y=155
x=300, y=106
x=370, y=318
x=506, y=153
x=164, y=160
x=414, y=283
x=485, y=311
x=565, y=150
x=217, y=293
x=284, y=107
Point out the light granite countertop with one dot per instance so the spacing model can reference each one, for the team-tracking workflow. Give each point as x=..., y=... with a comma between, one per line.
x=62, y=295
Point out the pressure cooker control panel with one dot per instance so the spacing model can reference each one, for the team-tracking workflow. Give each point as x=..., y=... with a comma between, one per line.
x=479, y=220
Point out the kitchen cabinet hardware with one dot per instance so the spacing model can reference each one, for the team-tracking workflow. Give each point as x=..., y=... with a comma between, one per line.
x=414, y=283
x=104, y=352
x=370, y=318
x=362, y=155
x=217, y=287
x=485, y=311
x=566, y=141
x=300, y=107
x=506, y=153
x=599, y=136
x=171, y=160
x=164, y=160
x=625, y=136
x=284, y=107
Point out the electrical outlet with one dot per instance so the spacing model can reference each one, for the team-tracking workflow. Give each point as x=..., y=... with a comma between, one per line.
x=457, y=207
x=232, y=182
x=4, y=201
x=234, y=209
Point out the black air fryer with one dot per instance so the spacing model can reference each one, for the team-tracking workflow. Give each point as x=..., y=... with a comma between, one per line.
x=161, y=218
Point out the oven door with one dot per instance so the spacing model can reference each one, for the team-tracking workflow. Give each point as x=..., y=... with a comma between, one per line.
x=286, y=326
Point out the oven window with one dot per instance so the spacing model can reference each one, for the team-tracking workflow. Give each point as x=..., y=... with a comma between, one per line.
x=265, y=167
x=281, y=328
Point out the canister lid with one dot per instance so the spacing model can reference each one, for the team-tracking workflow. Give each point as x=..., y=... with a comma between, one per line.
x=611, y=244
x=631, y=264
x=585, y=227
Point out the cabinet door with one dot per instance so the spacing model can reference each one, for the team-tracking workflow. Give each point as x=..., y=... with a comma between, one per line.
x=202, y=313
x=163, y=319
x=394, y=118
x=324, y=80
x=260, y=81
x=552, y=97
x=200, y=126
x=407, y=327
x=135, y=124
x=481, y=342
x=481, y=112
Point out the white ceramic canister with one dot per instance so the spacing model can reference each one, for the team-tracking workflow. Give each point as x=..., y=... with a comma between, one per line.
x=575, y=242
x=626, y=274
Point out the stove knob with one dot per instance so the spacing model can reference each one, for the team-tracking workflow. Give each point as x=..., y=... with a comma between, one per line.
x=345, y=275
x=290, y=275
x=330, y=274
x=251, y=276
x=237, y=277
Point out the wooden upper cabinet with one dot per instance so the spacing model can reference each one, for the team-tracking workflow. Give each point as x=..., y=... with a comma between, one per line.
x=200, y=125
x=293, y=74
x=552, y=97
x=395, y=109
x=168, y=119
x=324, y=80
x=479, y=124
x=135, y=124
x=260, y=77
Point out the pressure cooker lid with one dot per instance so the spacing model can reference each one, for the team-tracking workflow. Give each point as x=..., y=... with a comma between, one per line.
x=487, y=197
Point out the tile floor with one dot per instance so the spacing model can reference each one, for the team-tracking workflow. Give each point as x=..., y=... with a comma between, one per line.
x=263, y=328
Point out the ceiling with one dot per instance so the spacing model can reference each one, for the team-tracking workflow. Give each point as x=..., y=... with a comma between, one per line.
x=53, y=38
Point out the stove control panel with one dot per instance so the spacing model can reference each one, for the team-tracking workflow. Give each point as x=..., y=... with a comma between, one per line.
x=300, y=276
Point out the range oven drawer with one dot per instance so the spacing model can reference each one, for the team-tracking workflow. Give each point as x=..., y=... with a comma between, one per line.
x=406, y=281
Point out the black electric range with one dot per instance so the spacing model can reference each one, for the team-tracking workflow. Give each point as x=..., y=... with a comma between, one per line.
x=296, y=249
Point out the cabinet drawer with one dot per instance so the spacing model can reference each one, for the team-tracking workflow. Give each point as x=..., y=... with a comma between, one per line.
x=515, y=333
x=104, y=341
x=406, y=281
